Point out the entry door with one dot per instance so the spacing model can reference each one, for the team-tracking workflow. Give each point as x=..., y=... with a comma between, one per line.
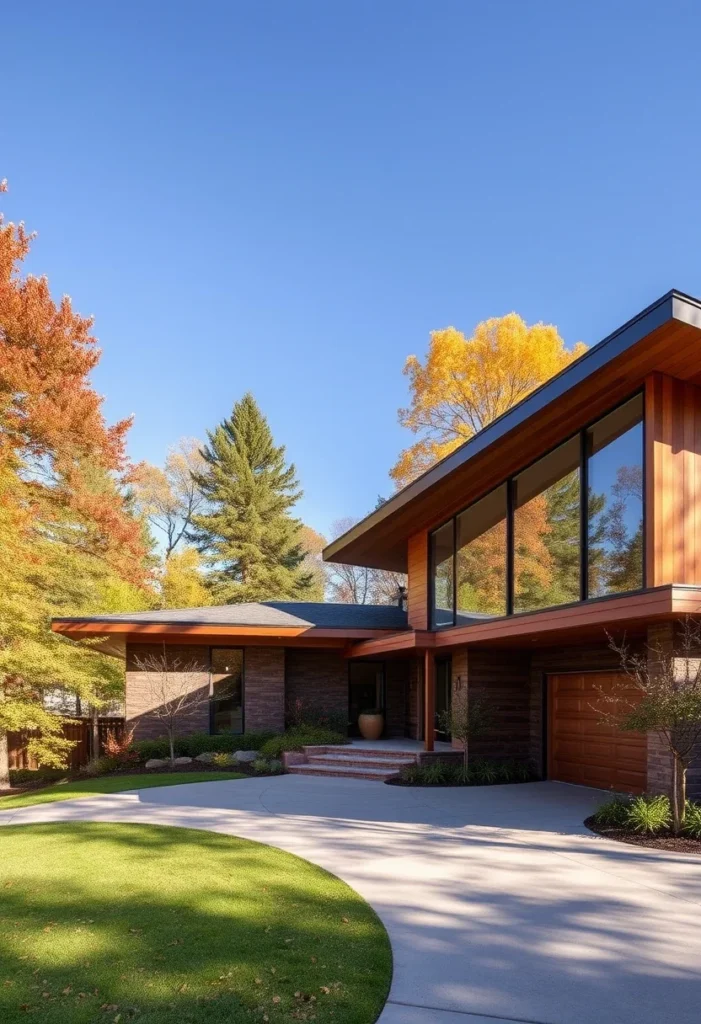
x=444, y=691
x=580, y=748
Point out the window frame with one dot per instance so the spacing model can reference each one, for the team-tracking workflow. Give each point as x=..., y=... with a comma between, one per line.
x=227, y=647
x=583, y=525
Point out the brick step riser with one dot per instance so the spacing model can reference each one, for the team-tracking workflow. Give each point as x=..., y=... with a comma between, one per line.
x=308, y=769
x=357, y=762
x=349, y=751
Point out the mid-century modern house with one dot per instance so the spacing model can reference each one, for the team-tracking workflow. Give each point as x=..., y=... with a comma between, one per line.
x=575, y=515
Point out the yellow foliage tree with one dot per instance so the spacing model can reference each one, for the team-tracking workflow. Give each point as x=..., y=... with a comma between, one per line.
x=182, y=582
x=465, y=383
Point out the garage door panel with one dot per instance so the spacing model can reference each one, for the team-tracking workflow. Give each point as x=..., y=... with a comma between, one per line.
x=584, y=750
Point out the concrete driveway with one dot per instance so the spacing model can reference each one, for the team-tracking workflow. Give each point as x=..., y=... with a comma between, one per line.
x=499, y=905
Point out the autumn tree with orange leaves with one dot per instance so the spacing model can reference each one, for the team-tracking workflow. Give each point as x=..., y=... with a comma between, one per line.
x=70, y=541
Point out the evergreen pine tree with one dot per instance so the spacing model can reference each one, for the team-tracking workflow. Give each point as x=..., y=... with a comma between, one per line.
x=247, y=535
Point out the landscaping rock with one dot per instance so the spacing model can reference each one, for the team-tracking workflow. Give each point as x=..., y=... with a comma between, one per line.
x=182, y=760
x=155, y=762
x=246, y=756
x=207, y=757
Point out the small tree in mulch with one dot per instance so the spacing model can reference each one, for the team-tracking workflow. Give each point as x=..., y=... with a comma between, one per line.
x=467, y=719
x=175, y=689
x=660, y=692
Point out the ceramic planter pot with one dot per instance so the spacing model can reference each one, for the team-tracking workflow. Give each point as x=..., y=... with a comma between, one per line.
x=371, y=724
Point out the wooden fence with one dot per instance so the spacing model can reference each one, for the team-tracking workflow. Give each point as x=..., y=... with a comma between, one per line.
x=79, y=730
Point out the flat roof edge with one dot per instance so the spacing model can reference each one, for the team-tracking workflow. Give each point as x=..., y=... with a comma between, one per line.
x=674, y=305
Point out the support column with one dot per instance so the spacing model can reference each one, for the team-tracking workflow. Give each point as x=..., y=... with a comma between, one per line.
x=429, y=699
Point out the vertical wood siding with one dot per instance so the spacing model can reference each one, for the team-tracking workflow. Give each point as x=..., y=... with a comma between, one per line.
x=673, y=481
x=417, y=584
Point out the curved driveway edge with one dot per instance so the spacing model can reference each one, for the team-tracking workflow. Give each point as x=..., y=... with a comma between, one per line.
x=499, y=904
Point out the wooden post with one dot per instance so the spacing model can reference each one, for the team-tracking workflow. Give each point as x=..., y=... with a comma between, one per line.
x=429, y=699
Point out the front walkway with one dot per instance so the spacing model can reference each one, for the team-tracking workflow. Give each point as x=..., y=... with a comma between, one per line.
x=498, y=903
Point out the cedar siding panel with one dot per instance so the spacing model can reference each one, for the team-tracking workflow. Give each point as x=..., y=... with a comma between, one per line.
x=673, y=481
x=417, y=587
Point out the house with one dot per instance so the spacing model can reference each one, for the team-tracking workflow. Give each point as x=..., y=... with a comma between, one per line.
x=574, y=515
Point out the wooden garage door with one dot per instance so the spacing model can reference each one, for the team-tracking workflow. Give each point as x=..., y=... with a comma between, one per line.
x=581, y=749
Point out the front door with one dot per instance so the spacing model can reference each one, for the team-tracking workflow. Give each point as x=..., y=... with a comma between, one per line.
x=366, y=690
x=444, y=690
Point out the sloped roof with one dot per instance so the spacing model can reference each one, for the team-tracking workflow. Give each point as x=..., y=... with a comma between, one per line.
x=287, y=614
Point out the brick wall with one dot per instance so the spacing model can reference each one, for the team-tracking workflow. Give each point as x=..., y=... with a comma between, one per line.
x=659, y=759
x=319, y=678
x=502, y=678
x=415, y=697
x=264, y=688
x=188, y=667
x=397, y=671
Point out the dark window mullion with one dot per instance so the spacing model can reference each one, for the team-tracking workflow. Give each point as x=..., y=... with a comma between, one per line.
x=510, y=546
x=455, y=570
x=584, y=518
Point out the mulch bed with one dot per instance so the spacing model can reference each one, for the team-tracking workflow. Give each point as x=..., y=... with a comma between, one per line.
x=663, y=841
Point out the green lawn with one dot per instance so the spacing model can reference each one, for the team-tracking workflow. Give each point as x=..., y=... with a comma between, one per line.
x=109, y=784
x=114, y=923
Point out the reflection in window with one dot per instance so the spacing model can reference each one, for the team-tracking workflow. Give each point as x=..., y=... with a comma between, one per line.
x=226, y=674
x=442, y=561
x=481, y=557
x=547, y=531
x=615, y=501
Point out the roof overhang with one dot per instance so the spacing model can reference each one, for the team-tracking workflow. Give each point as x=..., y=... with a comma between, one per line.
x=658, y=338
x=111, y=637
x=579, y=622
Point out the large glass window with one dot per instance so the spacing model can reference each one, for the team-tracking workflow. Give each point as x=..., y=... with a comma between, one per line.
x=547, y=531
x=615, y=501
x=480, y=568
x=442, y=560
x=568, y=527
x=226, y=674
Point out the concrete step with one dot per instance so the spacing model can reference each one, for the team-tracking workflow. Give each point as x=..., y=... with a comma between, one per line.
x=392, y=764
x=338, y=772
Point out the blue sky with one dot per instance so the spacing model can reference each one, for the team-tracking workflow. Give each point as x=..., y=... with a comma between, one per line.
x=286, y=197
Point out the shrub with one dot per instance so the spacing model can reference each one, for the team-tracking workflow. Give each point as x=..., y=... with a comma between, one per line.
x=260, y=766
x=101, y=766
x=410, y=773
x=435, y=774
x=223, y=760
x=117, y=746
x=612, y=814
x=22, y=776
x=649, y=814
x=275, y=767
x=201, y=743
x=296, y=739
x=485, y=773
x=303, y=715
x=692, y=820
x=463, y=775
